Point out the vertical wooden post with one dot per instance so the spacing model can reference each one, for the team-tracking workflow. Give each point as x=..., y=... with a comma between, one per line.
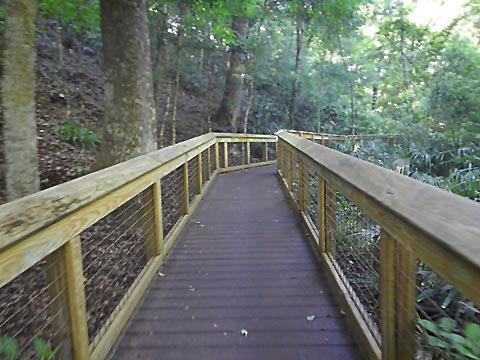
x=186, y=203
x=56, y=277
x=301, y=186
x=209, y=164
x=76, y=298
x=323, y=140
x=200, y=172
x=321, y=214
x=247, y=152
x=217, y=157
x=406, y=296
x=157, y=205
x=265, y=151
x=225, y=155
x=387, y=295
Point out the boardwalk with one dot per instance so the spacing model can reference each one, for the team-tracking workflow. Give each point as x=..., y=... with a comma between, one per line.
x=241, y=264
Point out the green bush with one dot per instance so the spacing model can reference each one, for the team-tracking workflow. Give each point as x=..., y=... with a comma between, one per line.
x=79, y=137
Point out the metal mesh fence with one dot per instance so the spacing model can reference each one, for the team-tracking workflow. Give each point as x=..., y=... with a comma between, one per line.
x=212, y=160
x=205, y=169
x=114, y=253
x=445, y=324
x=272, y=151
x=235, y=154
x=172, y=199
x=295, y=178
x=310, y=184
x=353, y=246
x=256, y=152
x=221, y=154
x=34, y=313
x=193, y=178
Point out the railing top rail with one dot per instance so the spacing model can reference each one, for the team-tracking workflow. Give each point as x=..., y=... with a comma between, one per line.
x=244, y=136
x=24, y=216
x=413, y=212
x=325, y=136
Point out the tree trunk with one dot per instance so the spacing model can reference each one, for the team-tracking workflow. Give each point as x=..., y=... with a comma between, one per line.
x=18, y=84
x=298, y=62
x=129, y=121
x=351, y=85
x=177, y=89
x=229, y=109
x=249, y=105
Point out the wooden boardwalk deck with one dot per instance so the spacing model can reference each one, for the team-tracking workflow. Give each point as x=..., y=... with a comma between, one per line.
x=241, y=263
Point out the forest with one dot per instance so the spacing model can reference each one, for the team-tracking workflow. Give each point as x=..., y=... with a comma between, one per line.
x=363, y=67
x=87, y=84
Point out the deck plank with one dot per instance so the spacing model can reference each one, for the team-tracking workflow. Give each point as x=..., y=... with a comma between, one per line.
x=241, y=263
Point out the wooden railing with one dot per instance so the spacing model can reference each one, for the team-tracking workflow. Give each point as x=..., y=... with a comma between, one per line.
x=385, y=239
x=76, y=259
x=324, y=139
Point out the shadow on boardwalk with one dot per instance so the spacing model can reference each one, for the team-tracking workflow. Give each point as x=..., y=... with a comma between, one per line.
x=242, y=265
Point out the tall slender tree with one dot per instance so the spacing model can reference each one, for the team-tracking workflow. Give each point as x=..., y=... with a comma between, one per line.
x=229, y=109
x=18, y=85
x=129, y=122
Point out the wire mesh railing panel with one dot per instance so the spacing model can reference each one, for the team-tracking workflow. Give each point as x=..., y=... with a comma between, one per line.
x=272, y=151
x=34, y=320
x=444, y=324
x=310, y=186
x=256, y=152
x=193, y=172
x=235, y=154
x=353, y=246
x=172, y=199
x=205, y=168
x=221, y=154
x=114, y=254
x=212, y=160
x=295, y=178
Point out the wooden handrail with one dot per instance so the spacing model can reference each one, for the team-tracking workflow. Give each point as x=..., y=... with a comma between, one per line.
x=335, y=137
x=47, y=225
x=417, y=221
x=47, y=206
x=443, y=228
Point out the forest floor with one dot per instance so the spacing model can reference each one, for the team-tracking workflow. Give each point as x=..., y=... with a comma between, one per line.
x=72, y=91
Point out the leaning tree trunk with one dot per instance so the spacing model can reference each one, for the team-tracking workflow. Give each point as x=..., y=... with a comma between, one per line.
x=129, y=120
x=229, y=109
x=18, y=84
x=298, y=61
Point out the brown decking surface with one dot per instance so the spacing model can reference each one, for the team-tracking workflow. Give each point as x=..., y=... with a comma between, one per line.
x=241, y=263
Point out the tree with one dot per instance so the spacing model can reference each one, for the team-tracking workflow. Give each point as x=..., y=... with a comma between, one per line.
x=129, y=120
x=18, y=84
x=229, y=108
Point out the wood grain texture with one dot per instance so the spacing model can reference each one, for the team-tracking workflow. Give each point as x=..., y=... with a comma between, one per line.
x=440, y=228
x=254, y=273
x=76, y=298
x=23, y=217
x=157, y=203
x=387, y=296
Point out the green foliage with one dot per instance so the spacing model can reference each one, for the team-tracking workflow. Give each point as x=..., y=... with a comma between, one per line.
x=10, y=350
x=80, y=137
x=79, y=16
x=8, y=347
x=446, y=341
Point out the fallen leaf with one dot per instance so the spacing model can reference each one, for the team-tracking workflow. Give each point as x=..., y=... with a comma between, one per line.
x=310, y=317
x=244, y=332
x=162, y=274
x=342, y=312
